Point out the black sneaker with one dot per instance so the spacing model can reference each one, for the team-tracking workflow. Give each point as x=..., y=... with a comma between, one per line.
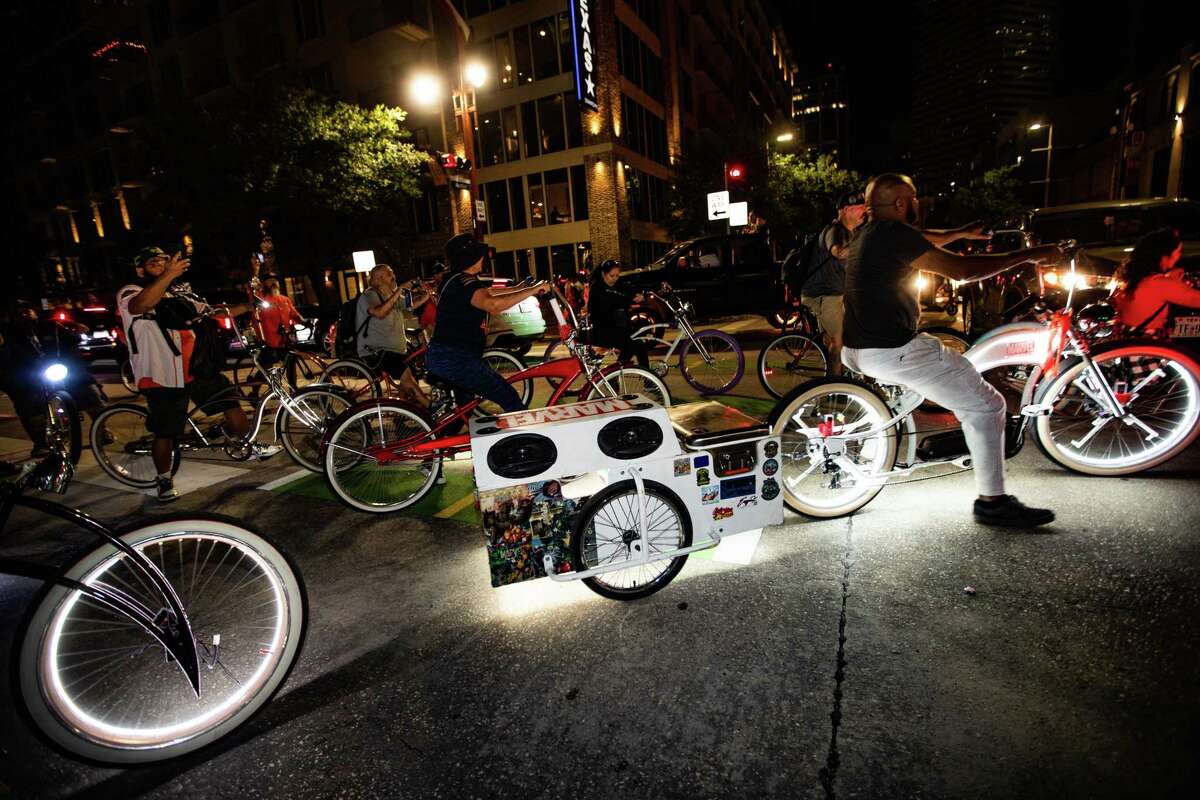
x=167, y=493
x=1009, y=512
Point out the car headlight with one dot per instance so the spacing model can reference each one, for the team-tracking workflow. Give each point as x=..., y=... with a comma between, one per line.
x=1075, y=280
x=55, y=373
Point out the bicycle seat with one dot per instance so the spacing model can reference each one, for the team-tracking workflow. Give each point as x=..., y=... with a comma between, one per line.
x=709, y=424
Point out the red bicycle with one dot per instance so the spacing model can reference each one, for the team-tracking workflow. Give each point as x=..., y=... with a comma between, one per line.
x=383, y=455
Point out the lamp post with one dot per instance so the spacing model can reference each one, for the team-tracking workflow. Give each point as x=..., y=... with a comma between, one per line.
x=1049, y=150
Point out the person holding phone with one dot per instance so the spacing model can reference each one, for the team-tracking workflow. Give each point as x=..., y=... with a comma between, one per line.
x=382, y=322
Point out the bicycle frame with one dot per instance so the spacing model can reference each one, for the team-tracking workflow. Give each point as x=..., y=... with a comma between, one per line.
x=683, y=329
x=169, y=625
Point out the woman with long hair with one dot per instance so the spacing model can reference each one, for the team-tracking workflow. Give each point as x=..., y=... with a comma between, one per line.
x=1148, y=283
x=608, y=309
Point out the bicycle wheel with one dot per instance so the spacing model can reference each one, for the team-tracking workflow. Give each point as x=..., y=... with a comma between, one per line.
x=354, y=377
x=713, y=363
x=127, y=379
x=607, y=534
x=789, y=360
x=301, y=370
x=249, y=383
x=355, y=463
x=121, y=445
x=813, y=482
x=506, y=365
x=62, y=425
x=302, y=427
x=100, y=687
x=1159, y=387
x=629, y=380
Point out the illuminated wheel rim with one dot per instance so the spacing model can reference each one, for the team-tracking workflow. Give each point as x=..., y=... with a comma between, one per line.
x=360, y=478
x=1169, y=406
x=108, y=690
x=807, y=485
x=788, y=361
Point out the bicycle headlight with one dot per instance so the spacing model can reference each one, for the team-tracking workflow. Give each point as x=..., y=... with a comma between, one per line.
x=55, y=373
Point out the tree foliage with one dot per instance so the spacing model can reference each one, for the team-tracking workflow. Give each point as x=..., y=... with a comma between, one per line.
x=802, y=193
x=992, y=196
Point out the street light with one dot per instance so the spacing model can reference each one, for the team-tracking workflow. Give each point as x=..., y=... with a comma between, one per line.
x=476, y=74
x=1049, y=150
x=785, y=137
x=425, y=89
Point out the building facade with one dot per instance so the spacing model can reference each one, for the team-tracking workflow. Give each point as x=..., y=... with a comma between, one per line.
x=822, y=108
x=1160, y=145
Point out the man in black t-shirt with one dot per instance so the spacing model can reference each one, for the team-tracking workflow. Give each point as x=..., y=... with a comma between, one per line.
x=456, y=351
x=881, y=338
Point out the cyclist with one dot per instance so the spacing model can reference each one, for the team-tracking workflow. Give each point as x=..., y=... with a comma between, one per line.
x=881, y=338
x=382, y=341
x=1148, y=283
x=822, y=290
x=456, y=352
x=160, y=356
x=276, y=315
x=608, y=310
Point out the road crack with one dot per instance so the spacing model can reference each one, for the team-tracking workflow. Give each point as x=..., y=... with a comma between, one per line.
x=828, y=773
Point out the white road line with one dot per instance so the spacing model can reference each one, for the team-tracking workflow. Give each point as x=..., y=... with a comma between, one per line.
x=285, y=480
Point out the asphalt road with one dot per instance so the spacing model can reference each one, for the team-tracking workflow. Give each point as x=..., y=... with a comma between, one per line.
x=844, y=660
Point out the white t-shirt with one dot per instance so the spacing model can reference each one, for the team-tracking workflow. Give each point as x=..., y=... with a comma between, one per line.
x=154, y=364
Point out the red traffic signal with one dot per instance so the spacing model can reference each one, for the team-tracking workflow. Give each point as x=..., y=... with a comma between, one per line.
x=736, y=172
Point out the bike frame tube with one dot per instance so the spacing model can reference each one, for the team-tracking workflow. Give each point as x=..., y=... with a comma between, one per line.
x=181, y=645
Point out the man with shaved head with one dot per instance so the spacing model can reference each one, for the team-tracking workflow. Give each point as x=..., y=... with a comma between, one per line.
x=881, y=338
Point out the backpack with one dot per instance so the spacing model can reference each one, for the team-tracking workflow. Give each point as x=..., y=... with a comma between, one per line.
x=208, y=350
x=805, y=262
x=345, y=344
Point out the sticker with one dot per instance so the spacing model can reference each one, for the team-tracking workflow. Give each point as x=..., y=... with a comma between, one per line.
x=722, y=512
x=710, y=495
x=683, y=466
x=702, y=478
x=770, y=489
x=771, y=449
x=738, y=487
x=747, y=501
x=700, y=461
x=770, y=467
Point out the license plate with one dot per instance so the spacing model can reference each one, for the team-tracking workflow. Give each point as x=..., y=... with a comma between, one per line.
x=1186, y=327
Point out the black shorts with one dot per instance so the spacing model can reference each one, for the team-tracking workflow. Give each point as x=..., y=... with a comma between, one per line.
x=388, y=361
x=167, y=409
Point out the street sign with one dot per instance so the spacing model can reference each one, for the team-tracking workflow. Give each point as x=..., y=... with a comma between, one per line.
x=364, y=260
x=718, y=205
x=585, y=54
x=739, y=214
x=480, y=211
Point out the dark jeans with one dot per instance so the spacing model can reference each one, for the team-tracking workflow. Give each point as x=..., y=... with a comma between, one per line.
x=470, y=377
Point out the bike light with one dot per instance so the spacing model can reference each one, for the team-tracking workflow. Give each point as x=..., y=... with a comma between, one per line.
x=55, y=373
x=1051, y=278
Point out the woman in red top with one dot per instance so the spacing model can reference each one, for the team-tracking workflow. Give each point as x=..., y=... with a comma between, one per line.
x=277, y=315
x=1149, y=284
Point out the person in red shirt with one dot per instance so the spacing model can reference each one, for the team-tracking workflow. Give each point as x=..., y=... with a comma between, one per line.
x=277, y=315
x=1148, y=283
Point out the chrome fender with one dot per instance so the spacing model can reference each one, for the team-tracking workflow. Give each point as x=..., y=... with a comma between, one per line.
x=1018, y=344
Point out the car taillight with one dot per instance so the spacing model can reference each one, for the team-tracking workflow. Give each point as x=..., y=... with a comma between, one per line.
x=61, y=316
x=227, y=323
x=115, y=333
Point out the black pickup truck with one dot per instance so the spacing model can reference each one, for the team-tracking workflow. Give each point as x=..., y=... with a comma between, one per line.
x=720, y=275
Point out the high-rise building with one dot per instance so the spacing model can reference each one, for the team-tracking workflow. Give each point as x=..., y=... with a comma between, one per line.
x=822, y=109
x=977, y=63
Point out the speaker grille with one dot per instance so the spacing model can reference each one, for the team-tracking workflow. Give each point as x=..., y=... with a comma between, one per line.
x=630, y=437
x=522, y=456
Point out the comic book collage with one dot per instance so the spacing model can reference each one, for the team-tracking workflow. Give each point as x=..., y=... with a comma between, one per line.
x=521, y=525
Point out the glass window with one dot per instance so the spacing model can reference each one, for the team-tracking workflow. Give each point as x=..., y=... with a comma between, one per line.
x=537, y=201
x=550, y=120
x=558, y=197
x=685, y=91
x=574, y=120
x=579, y=200
x=545, y=48
x=496, y=193
x=522, y=263
x=511, y=133
x=476, y=8
x=708, y=254
x=541, y=260
x=503, y=265
x=310, y=19
x=562, y=259
x=491, y=139
x=530, y=127
x=566, y=45
x=520, y=40
x=506, y=74
x=516, y=192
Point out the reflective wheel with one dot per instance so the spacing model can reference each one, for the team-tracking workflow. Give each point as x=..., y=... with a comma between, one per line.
x=102, y=688
x=789, y=360
x=357, y=464
x=301, y=428
x=629, y=380
x=606, y=534
x=121, y=445
x=1159, y=388
x=713, y=363
x=353, y=376
x=817, y=479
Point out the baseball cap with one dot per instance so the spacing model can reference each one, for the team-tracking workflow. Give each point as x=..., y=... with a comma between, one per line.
x=464, y=250
x=147, y=254
x=850, y=199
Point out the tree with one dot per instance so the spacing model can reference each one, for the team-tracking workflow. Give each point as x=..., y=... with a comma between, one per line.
x=802, y=192
x=992, y=196
x=701, y=170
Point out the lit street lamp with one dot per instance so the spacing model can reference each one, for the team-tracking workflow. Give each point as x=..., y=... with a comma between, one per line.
x=785, y=137
x=425, y=89
x=476, y=74
x=1049, y=150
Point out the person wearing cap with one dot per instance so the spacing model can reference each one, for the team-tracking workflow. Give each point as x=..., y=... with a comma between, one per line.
x=160, y=357
x=608, y=311
x=822, y=290
x=456, y=351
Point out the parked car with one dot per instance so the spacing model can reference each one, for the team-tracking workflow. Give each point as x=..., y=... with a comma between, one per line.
x=98, y=330
x=727, y=274
x=517, y=328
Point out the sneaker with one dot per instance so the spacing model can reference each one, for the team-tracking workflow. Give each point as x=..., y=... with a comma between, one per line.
x=167, y=493
x=1009, y=512
x=263, y=452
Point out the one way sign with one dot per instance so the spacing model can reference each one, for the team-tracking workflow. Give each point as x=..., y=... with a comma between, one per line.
x=718, y=205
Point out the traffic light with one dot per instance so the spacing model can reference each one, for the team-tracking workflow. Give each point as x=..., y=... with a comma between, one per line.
x=736, y=171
